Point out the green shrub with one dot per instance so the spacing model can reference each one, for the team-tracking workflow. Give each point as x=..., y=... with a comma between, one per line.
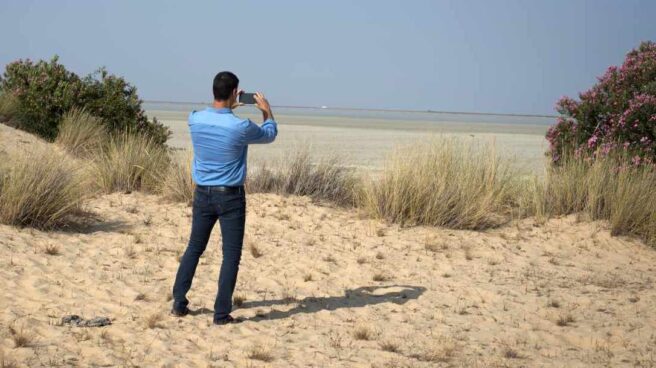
x=618, y=114
x=80, y=133
x=8, y=107
x=45, y=91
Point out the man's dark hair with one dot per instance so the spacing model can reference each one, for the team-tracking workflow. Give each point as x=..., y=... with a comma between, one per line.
x=224, y=84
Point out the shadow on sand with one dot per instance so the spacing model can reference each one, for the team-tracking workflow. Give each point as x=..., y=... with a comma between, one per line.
x=352, y=298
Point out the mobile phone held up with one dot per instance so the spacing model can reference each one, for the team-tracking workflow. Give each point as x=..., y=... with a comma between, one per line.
x=247, y=98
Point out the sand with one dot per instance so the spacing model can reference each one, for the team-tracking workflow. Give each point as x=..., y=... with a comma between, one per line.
x=326, y=287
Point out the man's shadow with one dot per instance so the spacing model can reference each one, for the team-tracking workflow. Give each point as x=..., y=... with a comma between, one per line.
x=352, y=298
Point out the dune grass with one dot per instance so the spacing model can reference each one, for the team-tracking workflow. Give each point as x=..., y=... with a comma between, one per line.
x=442, y=182
x=603, y=189
x=81, y=133
x=40, y=188
x=325, y=179
x=177, y=184
x=129, y=162
x=8, y=106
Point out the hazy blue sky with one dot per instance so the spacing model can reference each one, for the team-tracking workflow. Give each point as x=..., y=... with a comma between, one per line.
x=496, y=56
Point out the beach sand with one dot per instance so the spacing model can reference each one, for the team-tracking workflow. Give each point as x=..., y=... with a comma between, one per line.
x=325, y=287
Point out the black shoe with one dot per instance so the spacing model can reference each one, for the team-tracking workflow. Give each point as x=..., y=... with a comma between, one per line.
x=227, y=320
x=180, y=312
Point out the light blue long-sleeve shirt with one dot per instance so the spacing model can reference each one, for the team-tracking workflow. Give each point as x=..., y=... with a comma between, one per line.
x=220, y=140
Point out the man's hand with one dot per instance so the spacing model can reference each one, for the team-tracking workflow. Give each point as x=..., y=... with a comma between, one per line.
x=262, y=104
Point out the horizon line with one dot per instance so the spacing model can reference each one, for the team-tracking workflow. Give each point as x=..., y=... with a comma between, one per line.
x=342, y=108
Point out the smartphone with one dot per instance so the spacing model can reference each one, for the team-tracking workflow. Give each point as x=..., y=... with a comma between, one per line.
x=247, y=98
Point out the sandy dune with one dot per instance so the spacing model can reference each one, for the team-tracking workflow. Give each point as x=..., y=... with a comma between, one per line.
x=329, y=288
x=324, y=287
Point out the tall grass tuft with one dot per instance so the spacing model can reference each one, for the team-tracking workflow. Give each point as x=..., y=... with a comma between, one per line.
x=8, y=107
x=326, y=179
x=177, y=184
x=442, y=182
x=40, y=188
x=81, y=133
x=130, y=162
x=603, y=189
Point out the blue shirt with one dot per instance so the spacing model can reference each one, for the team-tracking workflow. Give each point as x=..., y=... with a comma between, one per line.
x=220, y=141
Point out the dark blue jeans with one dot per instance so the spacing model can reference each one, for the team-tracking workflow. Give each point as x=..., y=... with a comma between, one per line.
x=209, y=206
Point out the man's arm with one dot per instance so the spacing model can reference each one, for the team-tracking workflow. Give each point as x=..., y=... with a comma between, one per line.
x=267, y=132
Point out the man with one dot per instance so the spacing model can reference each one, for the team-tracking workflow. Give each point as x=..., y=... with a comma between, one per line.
x=220, y=141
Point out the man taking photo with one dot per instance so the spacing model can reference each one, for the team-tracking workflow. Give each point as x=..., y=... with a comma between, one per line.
x=220, y=141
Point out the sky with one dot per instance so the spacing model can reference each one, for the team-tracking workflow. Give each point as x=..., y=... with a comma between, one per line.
x=502, y=56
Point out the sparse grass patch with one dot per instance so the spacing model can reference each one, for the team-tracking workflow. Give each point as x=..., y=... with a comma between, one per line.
x=439, y=350
x=299, y=174
x=380, y=277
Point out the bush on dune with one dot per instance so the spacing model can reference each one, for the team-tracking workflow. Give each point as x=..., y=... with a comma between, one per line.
x=445, y=182
x=617, y=115
x=129, y=162
x=45, y=91
x=40, y=188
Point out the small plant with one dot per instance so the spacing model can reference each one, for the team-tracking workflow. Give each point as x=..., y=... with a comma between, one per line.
x=238, y=300
x=21, y=337
x=380, y=277
x=51, y=249
x=440, y=350
x=307, y=277
x=141, y=297
x=363, y=332
x=154, y=321
x=390, y=346
x=565, y=320
x=260, y=352
x=255, y=251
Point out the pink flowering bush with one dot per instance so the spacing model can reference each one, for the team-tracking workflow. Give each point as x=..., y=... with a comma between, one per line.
x=44, y=91
x=616, y=116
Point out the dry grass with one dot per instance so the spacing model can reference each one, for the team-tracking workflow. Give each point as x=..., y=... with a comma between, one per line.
x=130, y=162
x=40, y=188
x=604, y=190
x=21, y=337
x=364, y=332
x=81, y=133
x=443, y=182
x=154, y=320
x=326, y=180
x=260, y=352
x=177, y=184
